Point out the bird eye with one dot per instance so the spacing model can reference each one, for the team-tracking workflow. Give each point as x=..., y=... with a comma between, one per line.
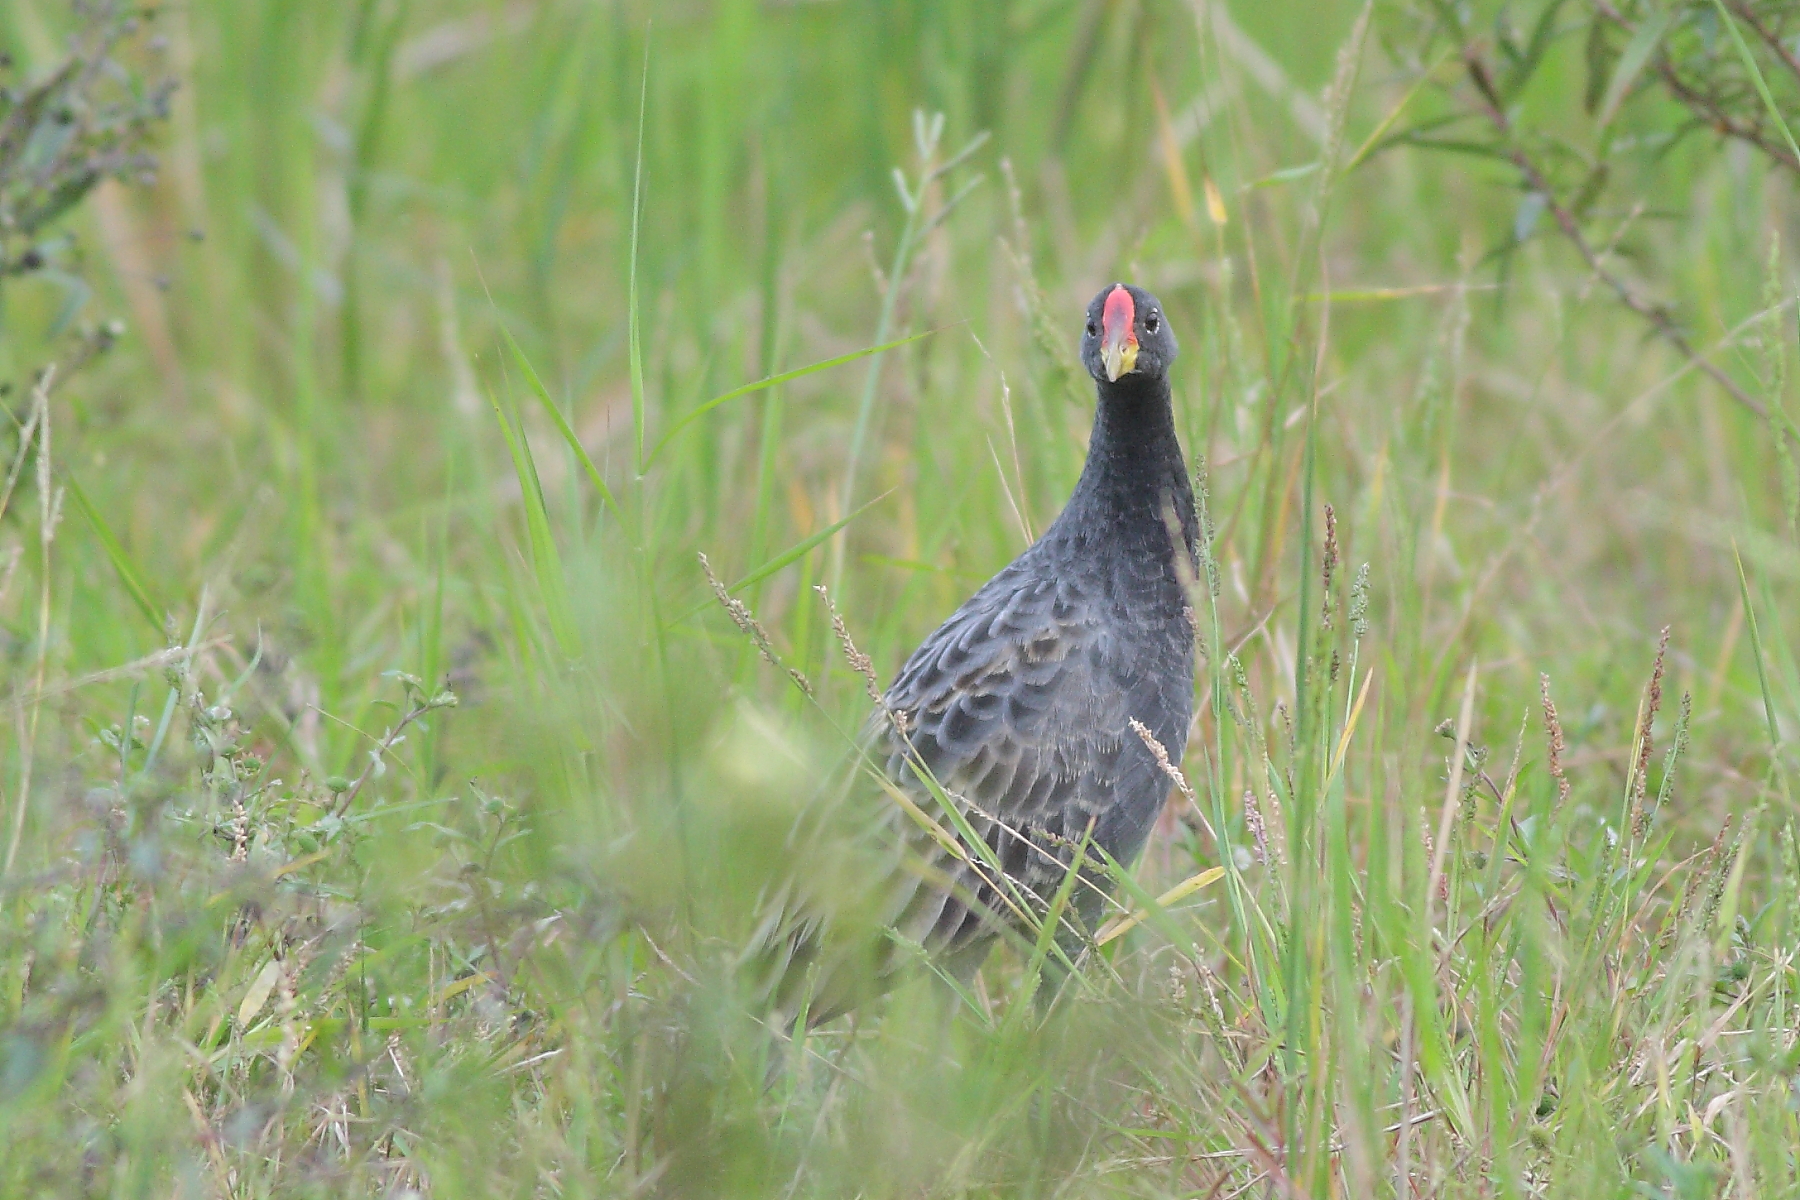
x=1152, y=321
x=1092, y=329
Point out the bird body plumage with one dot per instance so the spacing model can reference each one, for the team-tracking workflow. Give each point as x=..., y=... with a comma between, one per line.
x=1019, y=706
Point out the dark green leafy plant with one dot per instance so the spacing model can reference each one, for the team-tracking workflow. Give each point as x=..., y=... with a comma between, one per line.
x=90, y=119
x=1656, y=77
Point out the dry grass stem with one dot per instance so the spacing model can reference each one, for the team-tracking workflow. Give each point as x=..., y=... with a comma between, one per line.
x=49, y=510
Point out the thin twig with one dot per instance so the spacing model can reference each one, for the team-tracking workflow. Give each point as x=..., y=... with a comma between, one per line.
x=444, y=699
x=1565, y=219
x=137, y=666
x=47, y=506
x=1776, y=46
x=1706, y=106
x=1452, y=790
x=1709, y=109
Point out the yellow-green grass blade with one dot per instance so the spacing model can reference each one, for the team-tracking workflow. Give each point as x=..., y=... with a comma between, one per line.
x=561, y=422
x=635, y=344
x=546, y=560
x=1756, y=647
x=1125, y=923
x=1756, y=77
x=695, y=414
x=135, y=587
x=791, y=555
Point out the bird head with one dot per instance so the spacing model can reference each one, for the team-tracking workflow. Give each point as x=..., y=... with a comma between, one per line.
x=1126, y=335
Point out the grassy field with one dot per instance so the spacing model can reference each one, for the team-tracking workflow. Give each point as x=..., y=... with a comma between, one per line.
x=383, y=790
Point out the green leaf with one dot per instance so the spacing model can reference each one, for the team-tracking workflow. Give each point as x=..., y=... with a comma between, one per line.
x=121, y=561
x=1600, y=60
x=695, y=414
x=1637, y=52
x=1542, y=35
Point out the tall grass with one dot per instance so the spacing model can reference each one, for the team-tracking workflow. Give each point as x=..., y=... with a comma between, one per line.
x=392, y=793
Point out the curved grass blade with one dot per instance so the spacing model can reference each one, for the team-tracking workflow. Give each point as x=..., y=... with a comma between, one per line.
x=1148, y=907
x=1375, y=139
x=695, y=414
x=1756, y=77
x=1124, y=924
x=561, y=422
x=121, y=561
x=546, y=560
x=791, y=554
x=634, y=344
x=1756, y=646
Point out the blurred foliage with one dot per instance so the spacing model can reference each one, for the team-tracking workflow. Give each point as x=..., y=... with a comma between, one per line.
x=87, y=119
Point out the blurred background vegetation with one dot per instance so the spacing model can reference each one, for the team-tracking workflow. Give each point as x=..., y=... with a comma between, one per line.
x=383, y=790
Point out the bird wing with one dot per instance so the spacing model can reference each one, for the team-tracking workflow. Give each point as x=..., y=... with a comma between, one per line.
x=1019, y=707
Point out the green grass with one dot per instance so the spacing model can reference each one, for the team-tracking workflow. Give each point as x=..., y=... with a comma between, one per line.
x=502, y=314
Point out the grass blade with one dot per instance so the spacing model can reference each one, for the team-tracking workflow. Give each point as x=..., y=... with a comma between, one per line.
x=1756, y=647
x=546, y=560
x=1046, y=934
x=1120, y=926
x=791, y=554
x=637, y=211
x=561, y=422
x=695, y=414
x=1756, y=77
x=115, y=552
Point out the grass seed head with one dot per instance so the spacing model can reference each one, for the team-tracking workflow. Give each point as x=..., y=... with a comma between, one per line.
x=1359, y=603
x=859, y=662
x=1640, y=819
x=1554, y=732
x=1254, y=820
x=751, y=628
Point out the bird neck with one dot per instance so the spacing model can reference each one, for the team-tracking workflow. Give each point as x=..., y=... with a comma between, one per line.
x=1134, y=472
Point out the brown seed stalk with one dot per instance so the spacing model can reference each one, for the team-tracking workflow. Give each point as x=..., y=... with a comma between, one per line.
x=1640, y=819
x=1253, y=818
x=1161, y=754
x=1554, y=731
x=745, y=621
x=859, y=662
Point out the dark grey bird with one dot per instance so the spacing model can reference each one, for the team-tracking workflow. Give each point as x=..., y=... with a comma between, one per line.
x=1020, y=705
